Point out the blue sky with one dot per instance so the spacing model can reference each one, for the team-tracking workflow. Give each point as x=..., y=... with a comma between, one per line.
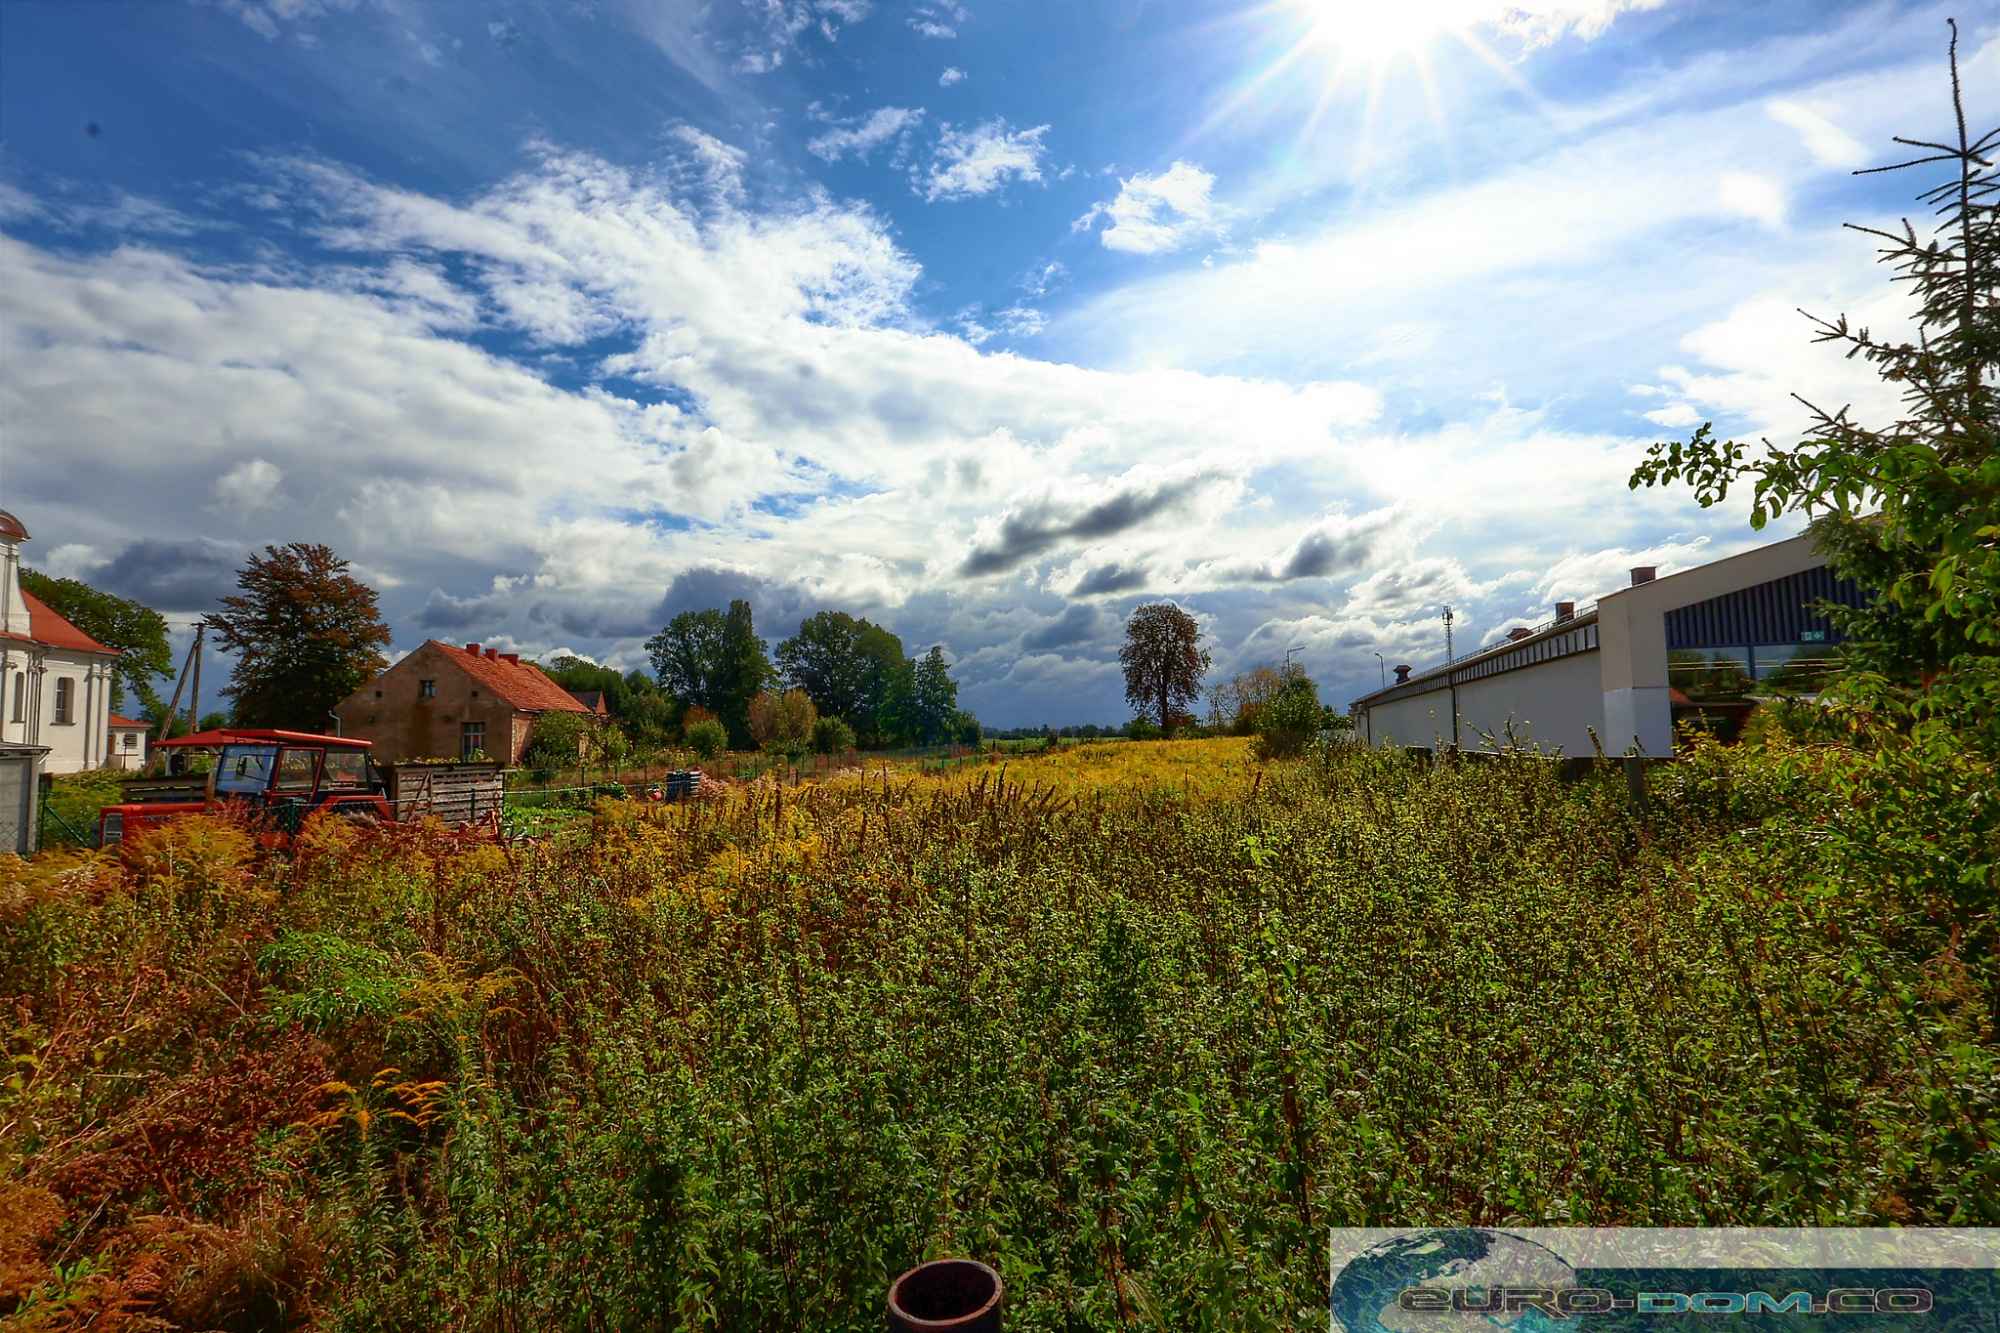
x=986, y=321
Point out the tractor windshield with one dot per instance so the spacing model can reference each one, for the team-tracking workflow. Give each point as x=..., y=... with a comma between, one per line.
x=245, y=770
x=345, y=768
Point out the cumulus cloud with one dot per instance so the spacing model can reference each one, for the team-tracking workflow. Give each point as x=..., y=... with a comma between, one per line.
x=1099, y=580
x=952, y=74
x=1039, y=526
x=167, y=574
x=248, y=486
x=1077, y=624
x=981, y=159
x=865, y=134
x=1154, y=215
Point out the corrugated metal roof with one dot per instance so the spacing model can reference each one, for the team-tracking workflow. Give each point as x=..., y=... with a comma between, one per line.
x=1542, y=633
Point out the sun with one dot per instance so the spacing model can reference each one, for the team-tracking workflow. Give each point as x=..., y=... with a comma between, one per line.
x=1368, y=35
x=1342, y=49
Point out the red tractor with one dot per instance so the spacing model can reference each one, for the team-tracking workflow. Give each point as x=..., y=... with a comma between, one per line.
x=283, y=775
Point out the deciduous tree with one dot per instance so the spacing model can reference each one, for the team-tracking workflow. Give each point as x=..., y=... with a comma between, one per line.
x=745, y=671
x=304, y=633
x=139, y=633
x=1163, y=660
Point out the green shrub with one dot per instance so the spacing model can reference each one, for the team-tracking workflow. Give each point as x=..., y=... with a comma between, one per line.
x=707, y=738
x=832, y=736
x=557, y=742
x=1290, y=720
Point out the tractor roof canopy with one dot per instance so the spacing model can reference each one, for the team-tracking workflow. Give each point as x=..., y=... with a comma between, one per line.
x=221, y=736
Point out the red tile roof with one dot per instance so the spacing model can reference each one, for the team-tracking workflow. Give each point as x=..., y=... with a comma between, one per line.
x=118, y=721
x=46, y=627
x=522, y=684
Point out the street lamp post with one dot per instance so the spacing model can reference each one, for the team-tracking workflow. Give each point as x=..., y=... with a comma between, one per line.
x=1382, y=665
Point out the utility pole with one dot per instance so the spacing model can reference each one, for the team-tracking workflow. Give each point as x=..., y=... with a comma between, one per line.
x=1451, y=678
x=194, y=686
x=180, y=683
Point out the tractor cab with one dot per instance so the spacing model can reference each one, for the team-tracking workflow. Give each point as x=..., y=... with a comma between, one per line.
x=285, y=774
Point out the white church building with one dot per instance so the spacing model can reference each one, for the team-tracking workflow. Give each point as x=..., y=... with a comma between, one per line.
x=55, y=680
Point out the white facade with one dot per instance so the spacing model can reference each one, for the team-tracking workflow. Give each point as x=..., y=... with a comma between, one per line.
x=55, y=681
x=127, y=747
x=1541, y=691
x=1600, y=678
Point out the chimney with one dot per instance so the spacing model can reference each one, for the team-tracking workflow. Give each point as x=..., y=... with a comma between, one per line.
x=1565, y=611
x=1402, y=675
x=492, y=654
x=512, y=659
x=472, y=648
x=1518, y=633
x=1643, y=574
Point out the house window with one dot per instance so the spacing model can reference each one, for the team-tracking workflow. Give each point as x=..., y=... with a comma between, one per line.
x=427, y=689
x=65, y=696
x=471, y=739
x=20, y=694
x=131, y=742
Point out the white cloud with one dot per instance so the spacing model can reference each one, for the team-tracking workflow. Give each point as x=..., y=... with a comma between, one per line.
x=1019, y=321
x=1830, y=145
x=1042, y=279
x=861, y=137
x=939, y=20
x=982, y=159
x=769, y=355
x=786, y=22
x=1540, y=22
x=1754, y=196
x=249, y=486
x=952, y=74
x=1153, y=215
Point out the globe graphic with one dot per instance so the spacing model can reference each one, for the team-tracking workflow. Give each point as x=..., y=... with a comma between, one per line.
x=1364, y=1298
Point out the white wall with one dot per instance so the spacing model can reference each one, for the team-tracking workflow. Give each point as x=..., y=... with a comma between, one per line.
x=117, y=756
x=1417, y=719
x=77, y=744
x=1550, y=704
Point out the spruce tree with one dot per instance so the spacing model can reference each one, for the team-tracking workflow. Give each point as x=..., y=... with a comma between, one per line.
x=1911, y=509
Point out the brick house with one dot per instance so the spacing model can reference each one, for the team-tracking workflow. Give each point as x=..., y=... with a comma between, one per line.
x=446, y=702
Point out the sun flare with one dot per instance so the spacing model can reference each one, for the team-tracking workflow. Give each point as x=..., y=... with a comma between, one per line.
x=1372, y=33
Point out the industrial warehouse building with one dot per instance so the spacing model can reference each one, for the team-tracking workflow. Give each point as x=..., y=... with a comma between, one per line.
x=1698, y=645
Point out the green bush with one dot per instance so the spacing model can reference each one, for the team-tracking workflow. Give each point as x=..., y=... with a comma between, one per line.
x=707, y=738
x=832, y=736
x=557, y=742
x=1289, y=720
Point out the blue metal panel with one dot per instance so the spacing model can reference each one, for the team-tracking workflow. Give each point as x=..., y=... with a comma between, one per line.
x=1776, y=612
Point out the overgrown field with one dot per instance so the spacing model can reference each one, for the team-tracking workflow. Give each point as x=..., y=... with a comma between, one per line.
x=1135, y=1023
